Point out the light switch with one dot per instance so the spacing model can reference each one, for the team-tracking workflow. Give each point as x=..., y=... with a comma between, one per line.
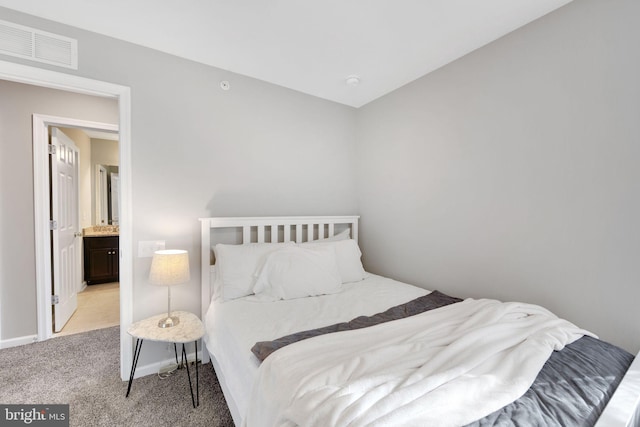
x=146, y=248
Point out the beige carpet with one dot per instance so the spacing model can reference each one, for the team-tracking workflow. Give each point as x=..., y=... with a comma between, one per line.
x=82, y=370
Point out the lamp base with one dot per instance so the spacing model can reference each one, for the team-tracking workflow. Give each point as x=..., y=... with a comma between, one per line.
x=169, y=322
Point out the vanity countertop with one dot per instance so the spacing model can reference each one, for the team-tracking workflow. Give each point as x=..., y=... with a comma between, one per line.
x=101, y=231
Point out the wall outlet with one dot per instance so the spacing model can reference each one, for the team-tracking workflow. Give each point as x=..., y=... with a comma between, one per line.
x=146, y=248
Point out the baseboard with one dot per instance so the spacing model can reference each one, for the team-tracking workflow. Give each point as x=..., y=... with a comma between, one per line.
x=14, y=342
x=154, y=368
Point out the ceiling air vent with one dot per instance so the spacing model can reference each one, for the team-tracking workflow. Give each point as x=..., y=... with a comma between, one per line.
x=36, y=45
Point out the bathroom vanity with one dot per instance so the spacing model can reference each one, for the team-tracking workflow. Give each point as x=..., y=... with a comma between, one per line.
x=101, y=254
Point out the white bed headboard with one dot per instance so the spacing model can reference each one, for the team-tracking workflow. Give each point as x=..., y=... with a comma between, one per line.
x=267, y=229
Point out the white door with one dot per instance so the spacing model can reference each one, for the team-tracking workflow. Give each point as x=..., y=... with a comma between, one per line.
x=66, y=231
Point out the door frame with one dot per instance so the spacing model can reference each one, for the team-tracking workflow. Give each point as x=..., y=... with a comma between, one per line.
x=42, y=200
x=56, y=80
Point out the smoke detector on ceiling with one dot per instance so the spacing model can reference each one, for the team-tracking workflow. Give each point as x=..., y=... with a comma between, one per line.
x=353, y=80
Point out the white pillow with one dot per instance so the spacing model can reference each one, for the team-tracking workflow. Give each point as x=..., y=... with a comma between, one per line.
x=237, y=266
x=298, y=272
x=348, y=256
x=343, y=235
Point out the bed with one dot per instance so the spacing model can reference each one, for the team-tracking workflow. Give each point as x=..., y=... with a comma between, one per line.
x=299, y=334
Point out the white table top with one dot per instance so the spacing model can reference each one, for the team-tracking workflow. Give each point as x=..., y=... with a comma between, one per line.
x=189, y=329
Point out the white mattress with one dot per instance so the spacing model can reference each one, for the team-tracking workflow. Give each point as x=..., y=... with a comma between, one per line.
x=233, y=327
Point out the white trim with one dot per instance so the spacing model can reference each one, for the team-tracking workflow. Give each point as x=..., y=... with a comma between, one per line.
x=57, y=80
x=14, y=342
x=67, y=82
x=41, y=216
x=623, y=409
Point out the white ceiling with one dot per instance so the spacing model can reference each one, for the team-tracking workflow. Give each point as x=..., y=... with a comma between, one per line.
x=308, y=45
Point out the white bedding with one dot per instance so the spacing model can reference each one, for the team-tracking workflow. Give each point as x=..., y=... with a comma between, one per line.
x=471, y=359
x=233, y=327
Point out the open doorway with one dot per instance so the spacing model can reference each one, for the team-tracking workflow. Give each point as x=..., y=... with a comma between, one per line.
x=97, y=300
x=71, y=209
x=98, y=308
x=51, y=79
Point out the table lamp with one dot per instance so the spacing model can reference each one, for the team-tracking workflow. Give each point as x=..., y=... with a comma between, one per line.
x=169, y=267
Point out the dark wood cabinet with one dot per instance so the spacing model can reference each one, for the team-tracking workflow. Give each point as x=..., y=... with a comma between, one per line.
x=101, y=260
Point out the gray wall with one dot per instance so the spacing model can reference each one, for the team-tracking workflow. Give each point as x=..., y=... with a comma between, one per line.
x=513, y=172
x=258, y=149
x=18, y=102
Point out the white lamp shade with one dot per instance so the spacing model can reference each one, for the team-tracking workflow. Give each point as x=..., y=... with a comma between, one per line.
x=169, y=267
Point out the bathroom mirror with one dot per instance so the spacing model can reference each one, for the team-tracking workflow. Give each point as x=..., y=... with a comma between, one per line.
x=107, y=195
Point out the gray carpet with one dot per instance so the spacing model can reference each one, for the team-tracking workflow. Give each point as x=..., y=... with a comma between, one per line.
x=83, y=370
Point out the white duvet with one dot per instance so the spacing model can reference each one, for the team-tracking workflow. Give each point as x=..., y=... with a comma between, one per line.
x=233, y=327
x=448, y=366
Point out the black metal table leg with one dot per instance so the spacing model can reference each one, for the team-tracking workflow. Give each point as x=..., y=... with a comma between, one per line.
x=175, y=351
x=136, y=355
x=184, y=355
x=197, y=376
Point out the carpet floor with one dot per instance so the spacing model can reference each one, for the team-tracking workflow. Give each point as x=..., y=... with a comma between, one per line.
x=83, y=370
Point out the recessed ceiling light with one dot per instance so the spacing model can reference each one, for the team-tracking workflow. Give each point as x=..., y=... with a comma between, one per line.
x=353, y=80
